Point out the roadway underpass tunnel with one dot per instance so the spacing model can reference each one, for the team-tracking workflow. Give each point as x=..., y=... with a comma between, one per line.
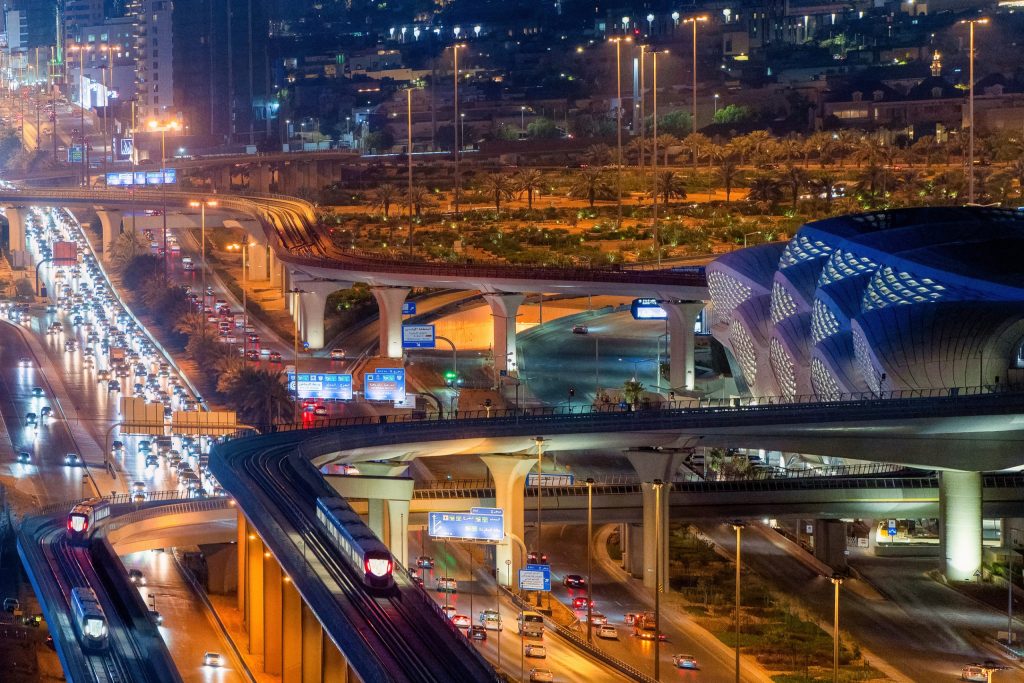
x=509, y=474
x=389, y=302
x=960, y=523
x=504, y=308
x=282, y=629
x=682, y=318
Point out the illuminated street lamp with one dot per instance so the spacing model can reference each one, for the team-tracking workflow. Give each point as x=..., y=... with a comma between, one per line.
x=738, y=528
x=455, y=120
x=156, y=125
x=590, y=555
x=654, y=155
x=244, y=248
x=837, y=581
x=618, y=125
x=201, y=205
x=694, y=21
x=970, y=109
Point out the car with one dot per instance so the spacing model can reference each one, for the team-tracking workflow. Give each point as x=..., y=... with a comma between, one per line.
x=24, y=457
x=252, y=355
x=418, y=580
x=535, y=651
x=425, y=562
x=629, y=618
x=448, y=610
x=580, y=603
x=152, y=461
x=113, y=385
x=541, y=676
x=11, y=604
x=597, y=619
x=144, y=446
x=72, y=460
x=607, y=631
x=24, y=361
x=275, y=356
x=37, y=392
x=477, y=633
x=139, y=487
x=462, y=621
x=534, y=557
x=156, y=617
x=490, y=619
x=212, y=659
x=580, y=329
x=50, y=644
x=447, y=585
x=574, y=581
x=337, y=354
x=117, y=445
x=45, y=411
x=137, y=577
x=685, y=662
x=31, y=419
x=320, y=410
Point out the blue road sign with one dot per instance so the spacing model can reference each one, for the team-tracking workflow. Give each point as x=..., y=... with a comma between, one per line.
x=127, y=146
x=647, y=309
x=322, y=385
x=536, y=577
x=485, y=511
x=409, y=308
x=418, y=337
x=75, y=153
x=467, y=526
x=384, y=386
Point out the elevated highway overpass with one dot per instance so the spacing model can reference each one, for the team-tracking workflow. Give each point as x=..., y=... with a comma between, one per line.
x=288, y=249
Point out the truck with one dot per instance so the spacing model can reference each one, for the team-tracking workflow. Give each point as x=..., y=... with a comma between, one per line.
x=531, y=624
x=116, y=356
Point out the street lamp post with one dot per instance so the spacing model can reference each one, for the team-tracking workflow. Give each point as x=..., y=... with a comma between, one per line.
x=539, y=441
x=201, y=205
x=296, y=292
x=522, y=121
x=590, y=555
x=408, y=154
x=658, y=483
x=716, y=97
x=654, y=156
x=244, y=248
x=694, y=20
x=970, y=109
x=643, y=120
x=749, y=234
x=738, y=527
x=618, y=129
x=164, y=126
x=455, y=125
x=837, y=581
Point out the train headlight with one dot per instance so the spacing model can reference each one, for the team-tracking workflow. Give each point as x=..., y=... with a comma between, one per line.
x=377, y=566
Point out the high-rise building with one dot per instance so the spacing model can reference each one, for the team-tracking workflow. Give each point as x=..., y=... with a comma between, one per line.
x=78, y=14
x=154, y=54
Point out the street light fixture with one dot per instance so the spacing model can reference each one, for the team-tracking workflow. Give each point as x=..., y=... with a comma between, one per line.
x=738, y=528
x=201, y=205
x=244, y=248
x=590, y=555
x=539, y=441
x=155, y=125
x=694, y=21
x=618, y=125
x=970, y=109
x=658, y=484
x=455, y=119
x=837, y=581
x=654, y=155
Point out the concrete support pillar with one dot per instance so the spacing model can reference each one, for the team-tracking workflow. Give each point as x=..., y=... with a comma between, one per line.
x=504, y=308
x=242, y=526
x=651, y=465
x=398, y=530
x=291, y=633
x=830, y=542
x=313, y=637
x=257, y=257
x=272, y=615
x=509, y=474
x=254, y=592
x=960, y=523
x=275, y=269
x=16, y=217
x=633, y=556
x=111, y=222
x=335, y=668
x=389, y=303
x=311, y=312
x=682, y=317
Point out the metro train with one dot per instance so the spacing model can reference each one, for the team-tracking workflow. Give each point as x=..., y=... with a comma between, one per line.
x=90, y=621
x=84, y=516
x=360, y=548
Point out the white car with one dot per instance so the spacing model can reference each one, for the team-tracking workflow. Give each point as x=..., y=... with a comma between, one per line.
x=212, y=659
x=607, y=631
x=541, y=676
x=536, y=651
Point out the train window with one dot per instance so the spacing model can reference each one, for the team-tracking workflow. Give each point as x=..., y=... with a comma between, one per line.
x=95, y=628
x=378, y=566
x=78, y=523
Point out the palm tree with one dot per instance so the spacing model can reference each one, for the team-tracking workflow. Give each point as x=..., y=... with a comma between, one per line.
x=869, y=149
x=669, y=185
x=824, y=145
x=191, y=324
x=908, y=183
x=420, y=198
x=1016, y=170
x=824, y=184
x=698, y=145
x=590, y=184
x=529, y=180
x=793, y=146
x=598, y=155
x=384, y=196
x=260, y=396
x=666, y=140
x=795, y=178
x=845, y=142
x=926, y=148
x=499, y=186
x=728, y=172
x=765, y=188
x=127, y=246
